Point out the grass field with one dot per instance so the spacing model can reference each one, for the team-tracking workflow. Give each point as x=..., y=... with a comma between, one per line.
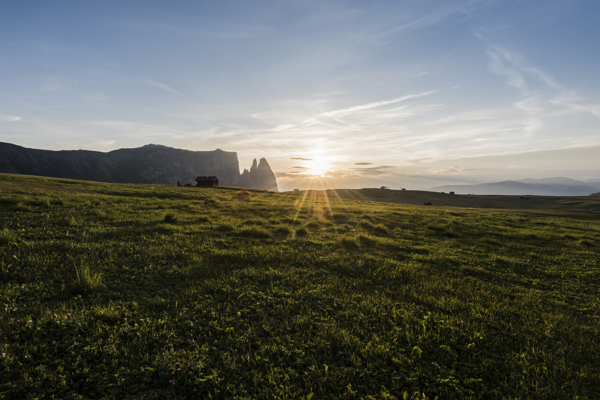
x=419, y=197
x=129, y=291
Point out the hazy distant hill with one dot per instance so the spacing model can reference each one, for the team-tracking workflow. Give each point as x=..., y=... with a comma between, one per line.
x=151, y=164
x=537, y=187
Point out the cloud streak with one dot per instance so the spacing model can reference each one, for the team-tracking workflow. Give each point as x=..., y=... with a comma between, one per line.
x=9, y=118
x=158, y=85
x=380, y=170
x=368, y=106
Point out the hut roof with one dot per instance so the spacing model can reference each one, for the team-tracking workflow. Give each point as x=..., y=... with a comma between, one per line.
x=206, y=178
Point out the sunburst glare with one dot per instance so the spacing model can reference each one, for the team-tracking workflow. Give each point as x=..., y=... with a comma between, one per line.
x=317, y=168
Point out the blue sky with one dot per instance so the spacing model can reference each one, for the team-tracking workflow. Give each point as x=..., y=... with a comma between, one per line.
x=366, y=93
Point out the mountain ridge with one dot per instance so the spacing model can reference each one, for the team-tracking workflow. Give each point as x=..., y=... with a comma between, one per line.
x=149, y=164
x=555, y=186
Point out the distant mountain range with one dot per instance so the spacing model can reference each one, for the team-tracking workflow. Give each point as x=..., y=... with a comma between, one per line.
x=536, y=187
x=150, y=164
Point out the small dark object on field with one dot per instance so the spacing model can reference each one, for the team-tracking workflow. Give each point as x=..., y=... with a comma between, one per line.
x=243, y=195
x=427, y=203
x=522, y=197
x=207, y=181
x=451, y=192
x=296, y=190
x=170, y=218
x=188, y=185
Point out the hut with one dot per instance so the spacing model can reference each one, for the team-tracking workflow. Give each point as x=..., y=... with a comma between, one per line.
x=207, y=181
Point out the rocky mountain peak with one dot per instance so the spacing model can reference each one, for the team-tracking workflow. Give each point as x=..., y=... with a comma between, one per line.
x=150, y=164
x=254, y=166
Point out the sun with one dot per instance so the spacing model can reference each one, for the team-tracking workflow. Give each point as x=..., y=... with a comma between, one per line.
x=317, y=168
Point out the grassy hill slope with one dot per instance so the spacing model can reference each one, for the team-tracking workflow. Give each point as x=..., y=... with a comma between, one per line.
x=418, y=197
x=131, y=291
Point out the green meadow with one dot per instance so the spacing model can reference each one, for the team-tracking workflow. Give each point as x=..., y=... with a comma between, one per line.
x=114, y=291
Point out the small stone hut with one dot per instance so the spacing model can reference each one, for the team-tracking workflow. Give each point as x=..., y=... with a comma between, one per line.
x=207, y=181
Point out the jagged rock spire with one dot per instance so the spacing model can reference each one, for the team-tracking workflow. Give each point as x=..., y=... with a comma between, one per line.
x=254, y=167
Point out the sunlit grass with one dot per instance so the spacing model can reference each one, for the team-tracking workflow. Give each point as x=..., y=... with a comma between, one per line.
x=284, y=296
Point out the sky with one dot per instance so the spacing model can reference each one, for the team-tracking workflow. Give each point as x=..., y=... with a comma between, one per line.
x=403, y=93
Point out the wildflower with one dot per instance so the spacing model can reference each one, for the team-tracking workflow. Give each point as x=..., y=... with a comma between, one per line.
x=177, y=365
x=171, y=382
x=183, y=351
x=171, y=344
x=178, y=369
x=30, y=322
x=57, y=322
x=170, y=357
x=125, y=319
x=197, y=366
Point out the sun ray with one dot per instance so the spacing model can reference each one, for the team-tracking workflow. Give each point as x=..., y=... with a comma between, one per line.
x=302, y=203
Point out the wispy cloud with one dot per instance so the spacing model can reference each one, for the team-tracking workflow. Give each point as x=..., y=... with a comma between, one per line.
x=448, y=170
x=530, y=105
x=368, y=106
x=52, y=87
x=265, y=115
x=539, y=101
x=282, y=127
x=571, y=101
x=94, y=96
x=363, y=163
x=159, y=85
x=532, y=125
x=501, y=63
x=372, y=170
x=390, y=28
x=9, y=118
x=517, y=68
x=303, y=159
